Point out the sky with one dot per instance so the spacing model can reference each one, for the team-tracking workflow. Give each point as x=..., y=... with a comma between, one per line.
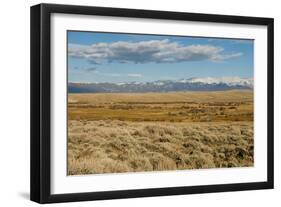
x=117, y=57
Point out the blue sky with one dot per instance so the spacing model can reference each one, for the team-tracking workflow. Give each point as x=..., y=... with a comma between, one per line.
x=116, y=57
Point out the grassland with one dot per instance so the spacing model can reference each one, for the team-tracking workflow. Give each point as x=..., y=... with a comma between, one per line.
x=126, y=132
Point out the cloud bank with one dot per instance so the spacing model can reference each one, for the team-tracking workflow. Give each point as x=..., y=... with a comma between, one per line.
x=135, y=75
x=153, y=51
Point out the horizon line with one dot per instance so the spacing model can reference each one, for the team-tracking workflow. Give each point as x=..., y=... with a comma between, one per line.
x=218, y=77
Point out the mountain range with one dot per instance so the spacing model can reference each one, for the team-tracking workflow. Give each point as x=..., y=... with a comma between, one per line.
x=190, y=84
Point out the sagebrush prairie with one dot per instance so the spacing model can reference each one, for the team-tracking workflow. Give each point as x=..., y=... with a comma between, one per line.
x=136, y=132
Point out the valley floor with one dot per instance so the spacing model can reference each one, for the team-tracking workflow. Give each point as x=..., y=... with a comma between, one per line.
x=111, y=133
x=119, y=146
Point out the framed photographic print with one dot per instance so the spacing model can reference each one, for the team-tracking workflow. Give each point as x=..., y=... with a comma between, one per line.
x=133, y=103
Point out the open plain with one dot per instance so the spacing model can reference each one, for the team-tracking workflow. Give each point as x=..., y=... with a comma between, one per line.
x=135, y=132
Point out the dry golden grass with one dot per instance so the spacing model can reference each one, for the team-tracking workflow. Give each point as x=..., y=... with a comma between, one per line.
x=111, y=133
x=150, y=97
x=118, y=146
x=173, y=107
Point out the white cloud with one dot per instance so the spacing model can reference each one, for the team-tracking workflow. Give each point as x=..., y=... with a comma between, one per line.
x=226, y=56
x=135, y=75
x=156, y=51
x=113, y=74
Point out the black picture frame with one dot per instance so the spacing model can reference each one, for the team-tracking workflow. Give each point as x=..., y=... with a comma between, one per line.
x=41, y=99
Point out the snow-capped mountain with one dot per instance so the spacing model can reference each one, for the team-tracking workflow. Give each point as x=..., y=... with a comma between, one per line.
x=190, y=84
x=231, y=81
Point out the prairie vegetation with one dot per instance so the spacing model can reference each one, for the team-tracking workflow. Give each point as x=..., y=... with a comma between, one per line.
x=126, y=132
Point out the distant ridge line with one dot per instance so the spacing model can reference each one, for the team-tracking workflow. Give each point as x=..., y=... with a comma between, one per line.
x=191, y=84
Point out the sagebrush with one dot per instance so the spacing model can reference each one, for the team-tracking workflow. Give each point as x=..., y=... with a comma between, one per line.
x=111, y=133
